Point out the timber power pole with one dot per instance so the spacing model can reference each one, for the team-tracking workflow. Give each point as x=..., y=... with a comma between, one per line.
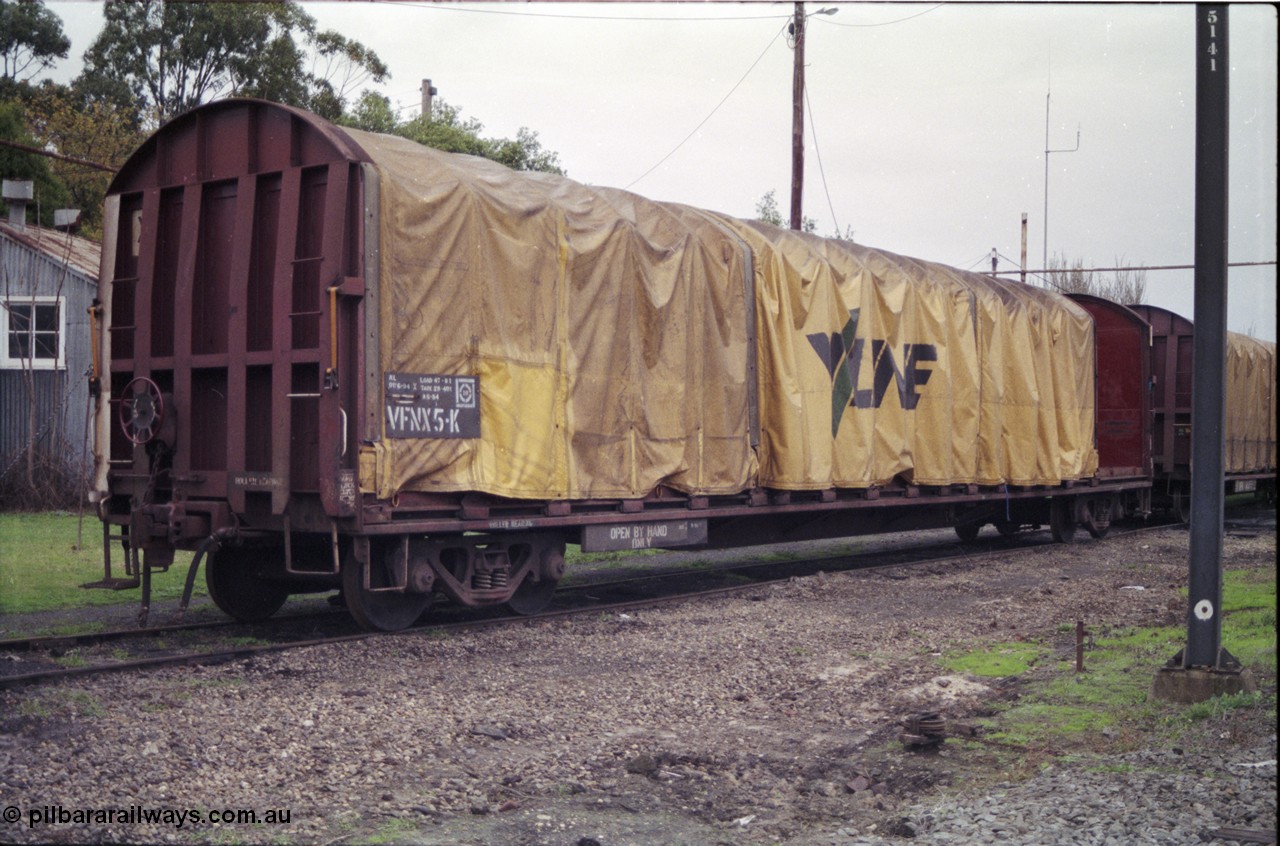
x=429, y=92
x=797, y=120
x=1024, y=248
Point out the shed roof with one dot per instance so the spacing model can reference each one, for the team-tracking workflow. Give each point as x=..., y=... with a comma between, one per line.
x=81, y=254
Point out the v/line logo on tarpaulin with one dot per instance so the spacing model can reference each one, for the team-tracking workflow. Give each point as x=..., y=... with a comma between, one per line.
x=842, y=353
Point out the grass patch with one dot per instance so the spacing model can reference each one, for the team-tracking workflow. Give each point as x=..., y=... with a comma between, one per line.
x=1252, y=638
x=245, y=641
x=995, y=661
x=62, y=703
x=395, y=830
x=1249, y=617
x=573, y=555
x=1046, y=723
x=71, y=660
x=1111, y=768
x=69, y=629
x=85, y=704
x=1109, y=706
x=42, y=566
x=1220, y=706
x=1243, y=589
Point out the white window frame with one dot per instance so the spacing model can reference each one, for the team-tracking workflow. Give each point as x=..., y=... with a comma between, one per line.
x=8, y=362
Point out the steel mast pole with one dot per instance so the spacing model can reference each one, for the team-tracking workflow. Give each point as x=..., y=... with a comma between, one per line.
x=1204, y=668
x=1208, y=392
x=1045, y=260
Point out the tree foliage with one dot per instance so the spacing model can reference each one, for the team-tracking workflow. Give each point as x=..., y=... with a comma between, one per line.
x=164, y=58
x=93, y=131
x=154, y=59
x=372, y=112
x=50, y=193
x=767, y=211
x=446, y=129
x=1126, y=286
x=31, y=39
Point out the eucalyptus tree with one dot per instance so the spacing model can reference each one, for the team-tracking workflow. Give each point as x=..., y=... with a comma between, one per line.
x=162, y=58
x=31, y=40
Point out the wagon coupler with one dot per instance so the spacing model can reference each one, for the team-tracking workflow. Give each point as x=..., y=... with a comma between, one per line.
x=157, y=530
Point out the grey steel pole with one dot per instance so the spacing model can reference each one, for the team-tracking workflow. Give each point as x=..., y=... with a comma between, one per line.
x=1208, y=392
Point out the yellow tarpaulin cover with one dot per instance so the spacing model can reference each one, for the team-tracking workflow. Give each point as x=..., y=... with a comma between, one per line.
x=607, y=331
x=1251, y=404
x=874, y=365
x=614, y=343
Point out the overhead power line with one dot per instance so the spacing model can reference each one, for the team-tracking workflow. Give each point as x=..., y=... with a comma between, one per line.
x=1148, y=267
x=821, y=170
x=694, y=131
x=1046, y=275
x=442, y=7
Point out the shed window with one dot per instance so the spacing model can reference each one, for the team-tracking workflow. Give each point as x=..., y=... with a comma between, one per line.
x=33, y=333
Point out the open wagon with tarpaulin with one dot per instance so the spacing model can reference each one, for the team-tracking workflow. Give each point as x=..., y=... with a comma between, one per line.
x=338, y=358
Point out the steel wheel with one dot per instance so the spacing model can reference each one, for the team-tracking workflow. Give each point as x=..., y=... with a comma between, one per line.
x=233, y=576
x=1062, y=519
x=1007, y=528
x=1182, y=505
x=968, y=532
x=1096, y=516
x=374, y=610
x=531, y=597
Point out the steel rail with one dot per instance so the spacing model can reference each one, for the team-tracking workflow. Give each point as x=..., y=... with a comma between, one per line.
x=571, y=585
x=948, y=553
x=90, y=638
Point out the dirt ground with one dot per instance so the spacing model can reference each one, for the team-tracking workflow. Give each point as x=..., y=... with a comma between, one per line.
x=771, y=716
x=822, y=757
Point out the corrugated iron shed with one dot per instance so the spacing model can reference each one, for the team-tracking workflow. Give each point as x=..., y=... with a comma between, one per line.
x=79, y=253
x=45, y=263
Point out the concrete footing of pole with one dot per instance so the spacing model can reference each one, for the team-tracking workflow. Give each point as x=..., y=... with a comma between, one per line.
x=1198, y=684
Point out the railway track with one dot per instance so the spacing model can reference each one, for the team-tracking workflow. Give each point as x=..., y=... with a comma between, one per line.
x=53, y=658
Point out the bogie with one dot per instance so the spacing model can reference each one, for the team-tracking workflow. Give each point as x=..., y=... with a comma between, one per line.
x=375, y=589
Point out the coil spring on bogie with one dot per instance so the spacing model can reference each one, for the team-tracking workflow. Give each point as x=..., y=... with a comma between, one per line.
x=486, y=581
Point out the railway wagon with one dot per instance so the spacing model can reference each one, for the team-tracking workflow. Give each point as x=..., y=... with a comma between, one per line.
x=1249, y=436
x=333, y=359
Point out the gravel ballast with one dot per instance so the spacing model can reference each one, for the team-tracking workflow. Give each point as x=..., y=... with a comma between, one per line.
x=771, y=716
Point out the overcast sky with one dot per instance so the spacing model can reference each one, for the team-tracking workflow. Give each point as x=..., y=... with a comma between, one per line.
x=929, y=119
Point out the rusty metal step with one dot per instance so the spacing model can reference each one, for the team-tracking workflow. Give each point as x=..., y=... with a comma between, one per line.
x=113, y=584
